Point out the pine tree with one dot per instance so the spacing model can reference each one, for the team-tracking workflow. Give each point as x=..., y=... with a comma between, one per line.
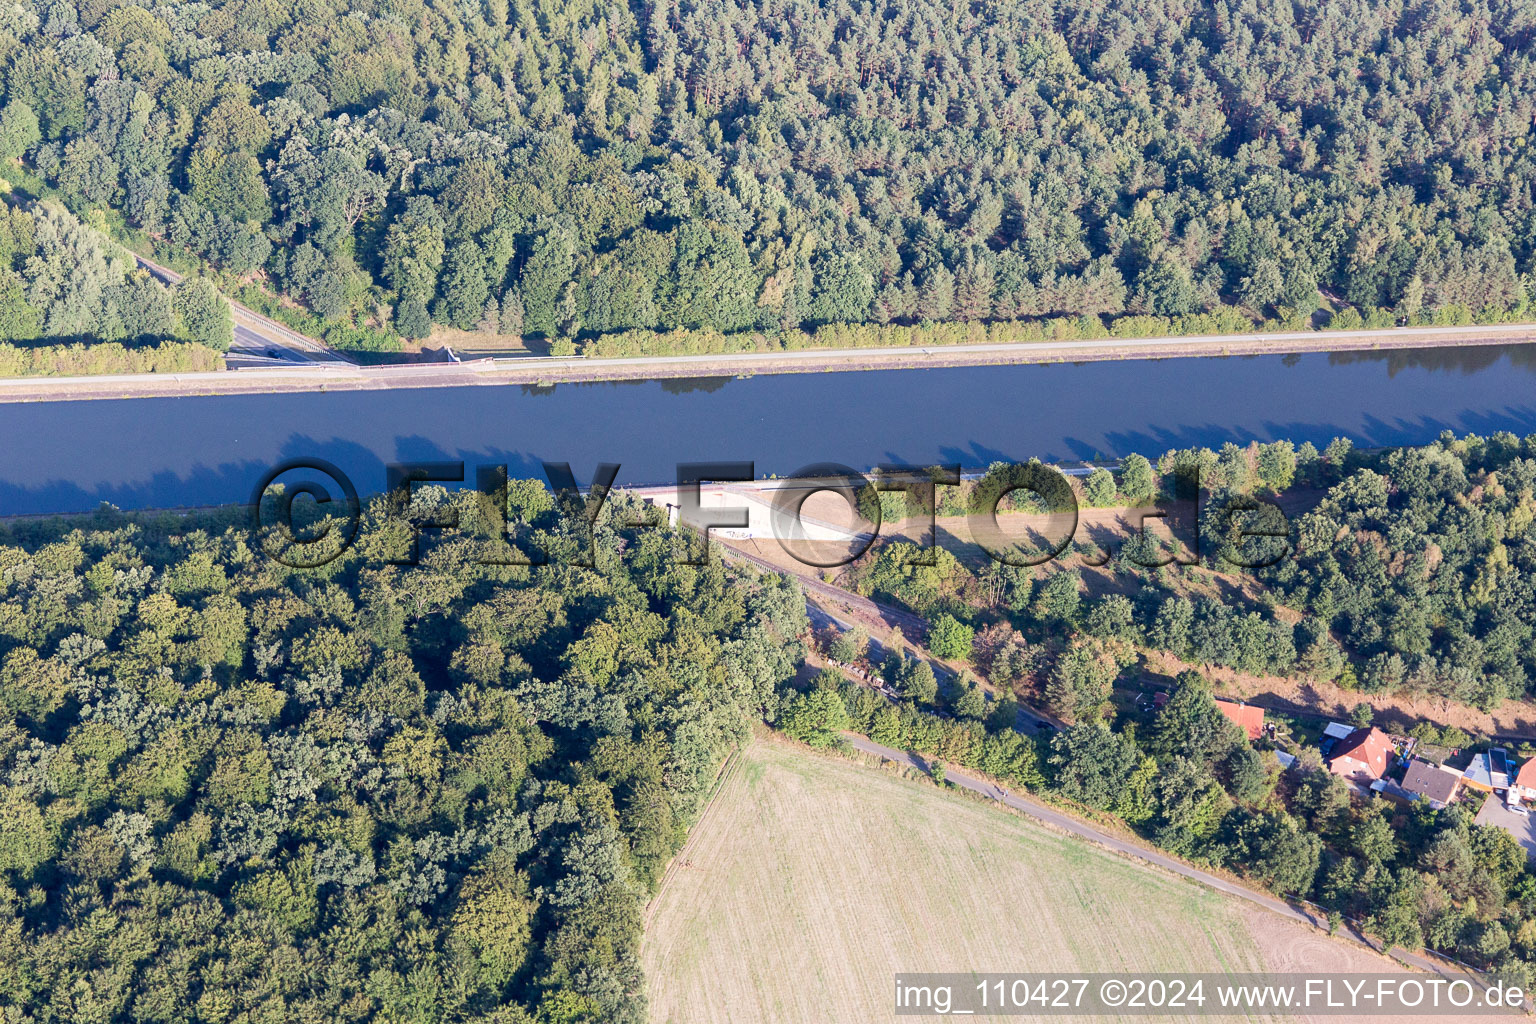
x=490, y=318
x=789, y=316
x=463, y=289
x=973, y=291
x=1413, y=299
x=936, y=297
x=411, y=318
x=511, y=321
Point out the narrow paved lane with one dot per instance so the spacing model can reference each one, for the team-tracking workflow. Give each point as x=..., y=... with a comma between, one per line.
x=259, y=341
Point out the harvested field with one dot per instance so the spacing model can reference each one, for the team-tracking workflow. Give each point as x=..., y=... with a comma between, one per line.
x=812, y=880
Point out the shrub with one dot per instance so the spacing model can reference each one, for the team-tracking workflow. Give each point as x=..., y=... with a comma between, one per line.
x=950, y=638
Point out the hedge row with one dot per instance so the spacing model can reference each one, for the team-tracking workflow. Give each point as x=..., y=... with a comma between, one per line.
x=1222, y=320
x=106, y=357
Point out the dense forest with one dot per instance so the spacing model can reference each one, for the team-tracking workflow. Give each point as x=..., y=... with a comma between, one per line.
x=231, y=791
x=568, y=169
x=67, y=282
x=1412, y=571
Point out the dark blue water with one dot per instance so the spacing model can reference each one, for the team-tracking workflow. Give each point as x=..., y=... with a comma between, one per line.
x=148, y=453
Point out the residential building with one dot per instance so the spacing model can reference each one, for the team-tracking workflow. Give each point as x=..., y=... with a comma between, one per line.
x=1489, y=771
x=1363, y=756
x=1247, y=717
x=1525, y=782
x=1498, y=768
x=1426, y=781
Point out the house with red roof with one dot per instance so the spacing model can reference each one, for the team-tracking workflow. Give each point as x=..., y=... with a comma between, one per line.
x=1246, y=717
x=1363, y=756
x=1525, y=782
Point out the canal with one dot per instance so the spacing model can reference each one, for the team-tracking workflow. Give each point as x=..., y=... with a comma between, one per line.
x=156, y=453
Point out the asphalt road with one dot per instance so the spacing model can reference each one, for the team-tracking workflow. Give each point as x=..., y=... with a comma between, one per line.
x=258, y=341
x=251, y=349
x=1057, y=819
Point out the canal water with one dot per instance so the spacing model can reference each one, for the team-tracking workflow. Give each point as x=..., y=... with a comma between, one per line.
x=162, y=453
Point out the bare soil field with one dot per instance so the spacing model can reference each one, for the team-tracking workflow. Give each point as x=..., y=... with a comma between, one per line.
x=1511, y=719
x=812, y=880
